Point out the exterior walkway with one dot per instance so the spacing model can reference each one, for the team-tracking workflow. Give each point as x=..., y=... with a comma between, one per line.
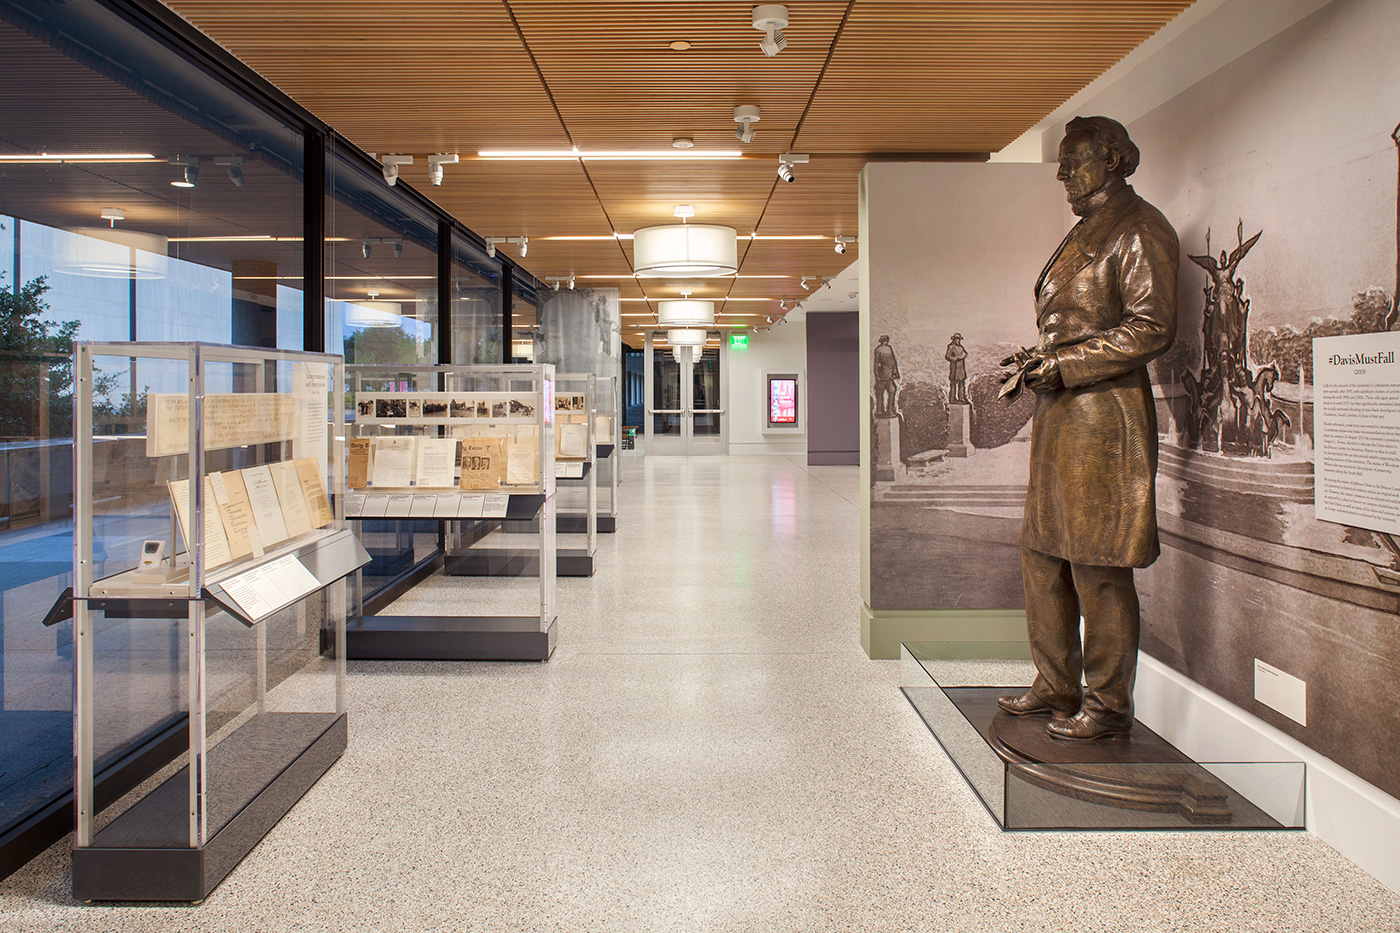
x=708, y=750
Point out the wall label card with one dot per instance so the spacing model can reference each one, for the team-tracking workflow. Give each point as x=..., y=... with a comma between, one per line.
x=495, y=505
x=471, y=505
x=447, y=505
x=1356, y=386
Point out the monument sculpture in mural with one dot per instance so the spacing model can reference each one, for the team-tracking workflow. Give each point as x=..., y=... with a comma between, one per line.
x=956, y=356
x=1230, y=406
x=886, y=379
x=1105, y=308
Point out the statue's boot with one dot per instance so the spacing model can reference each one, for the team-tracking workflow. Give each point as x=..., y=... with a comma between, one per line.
x=1031, y=703
x=1082, y=727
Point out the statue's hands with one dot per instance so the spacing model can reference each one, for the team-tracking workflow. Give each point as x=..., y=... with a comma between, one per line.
x=1043, y=375
x=1017, y=359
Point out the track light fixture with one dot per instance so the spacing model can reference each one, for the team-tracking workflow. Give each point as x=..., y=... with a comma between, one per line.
x=771, y=19
x=189, y=175
x=391, y=167
x=491, y=242
x=435, y=164
x=746, y=115
x=367, y=245
x=815, y=281
x=785, y=163
x=571, y=283
x=841, y=243
x=522, y=243
x=782, y=306
x=234, y=164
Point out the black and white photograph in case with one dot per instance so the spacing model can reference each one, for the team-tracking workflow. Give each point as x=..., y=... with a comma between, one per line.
x=461, y=408
x=952, y=274
x=364, y=406
x=523, y=406
x=391, y=408
x=415, y=408
x=435, y=407
x=1295, y=240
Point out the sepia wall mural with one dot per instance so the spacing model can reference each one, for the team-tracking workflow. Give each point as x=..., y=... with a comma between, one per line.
x=954, y=251
x=1280, y=174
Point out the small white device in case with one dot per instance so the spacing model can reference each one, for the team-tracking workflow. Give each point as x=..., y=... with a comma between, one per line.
x=152, y=553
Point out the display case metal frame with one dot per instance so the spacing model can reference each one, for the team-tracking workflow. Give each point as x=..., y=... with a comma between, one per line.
x=181, y=838
x=606, y=463
x=473, y=637
x=571, y=561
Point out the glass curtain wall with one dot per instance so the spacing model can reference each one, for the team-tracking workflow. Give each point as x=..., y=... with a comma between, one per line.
x=381, y=307
x=524, y=318
x=477, y=330
x=128, y=213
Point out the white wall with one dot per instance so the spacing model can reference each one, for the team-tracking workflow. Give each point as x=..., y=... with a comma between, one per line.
x=783, y=349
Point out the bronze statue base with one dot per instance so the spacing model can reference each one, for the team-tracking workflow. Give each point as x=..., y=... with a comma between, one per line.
x=1110, y=772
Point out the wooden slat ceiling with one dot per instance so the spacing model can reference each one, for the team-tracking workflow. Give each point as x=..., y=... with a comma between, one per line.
x=859, y=78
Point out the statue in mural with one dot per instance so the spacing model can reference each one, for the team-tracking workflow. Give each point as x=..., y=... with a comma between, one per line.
x=1230, y=405
x=956, y=356
x=886, y=380
x=1105, y=307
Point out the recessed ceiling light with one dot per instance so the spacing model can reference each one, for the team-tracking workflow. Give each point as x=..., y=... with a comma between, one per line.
x=605, y=155
x=680, y=45
x=683, y=142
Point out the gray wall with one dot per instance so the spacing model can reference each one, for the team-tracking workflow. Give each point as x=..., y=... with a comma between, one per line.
x=833, y=388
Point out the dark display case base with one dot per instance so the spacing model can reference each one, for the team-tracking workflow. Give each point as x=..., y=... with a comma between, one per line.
x=255, y=776
x=516, y=562
x=449, y=638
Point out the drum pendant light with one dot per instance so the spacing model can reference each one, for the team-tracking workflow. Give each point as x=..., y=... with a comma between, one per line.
x=685, y=250
x=686, y=338
x=685, y=313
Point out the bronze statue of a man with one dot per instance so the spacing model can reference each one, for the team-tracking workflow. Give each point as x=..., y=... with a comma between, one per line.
x=1105, y=307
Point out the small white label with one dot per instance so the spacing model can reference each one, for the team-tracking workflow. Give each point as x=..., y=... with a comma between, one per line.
x=1281, y=691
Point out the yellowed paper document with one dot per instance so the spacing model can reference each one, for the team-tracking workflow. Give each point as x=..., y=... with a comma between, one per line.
x=309, y=472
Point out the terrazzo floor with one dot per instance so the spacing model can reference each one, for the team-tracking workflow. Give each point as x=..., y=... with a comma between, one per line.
x=708, y=750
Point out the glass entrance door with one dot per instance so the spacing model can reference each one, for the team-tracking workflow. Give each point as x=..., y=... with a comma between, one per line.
x=685, y=396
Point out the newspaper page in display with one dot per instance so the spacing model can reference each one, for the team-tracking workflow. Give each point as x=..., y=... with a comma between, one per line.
x=482, y=463
x=359, y=461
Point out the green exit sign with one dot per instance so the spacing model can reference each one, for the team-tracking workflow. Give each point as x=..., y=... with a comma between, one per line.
x=739, y=341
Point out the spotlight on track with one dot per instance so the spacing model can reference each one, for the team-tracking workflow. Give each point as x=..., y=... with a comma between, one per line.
x=842, y=242
x=772, y=19
x=435, y=164
x=786, y=161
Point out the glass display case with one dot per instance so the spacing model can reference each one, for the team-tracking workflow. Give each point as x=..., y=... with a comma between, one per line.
x=471, y=447
x=210, y=557
x=607, y=439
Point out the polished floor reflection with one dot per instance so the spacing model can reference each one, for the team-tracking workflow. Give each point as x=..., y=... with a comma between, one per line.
x=708, y=750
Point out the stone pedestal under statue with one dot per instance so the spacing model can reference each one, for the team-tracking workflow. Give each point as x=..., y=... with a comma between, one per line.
x=885, y=465
x=960, y=430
